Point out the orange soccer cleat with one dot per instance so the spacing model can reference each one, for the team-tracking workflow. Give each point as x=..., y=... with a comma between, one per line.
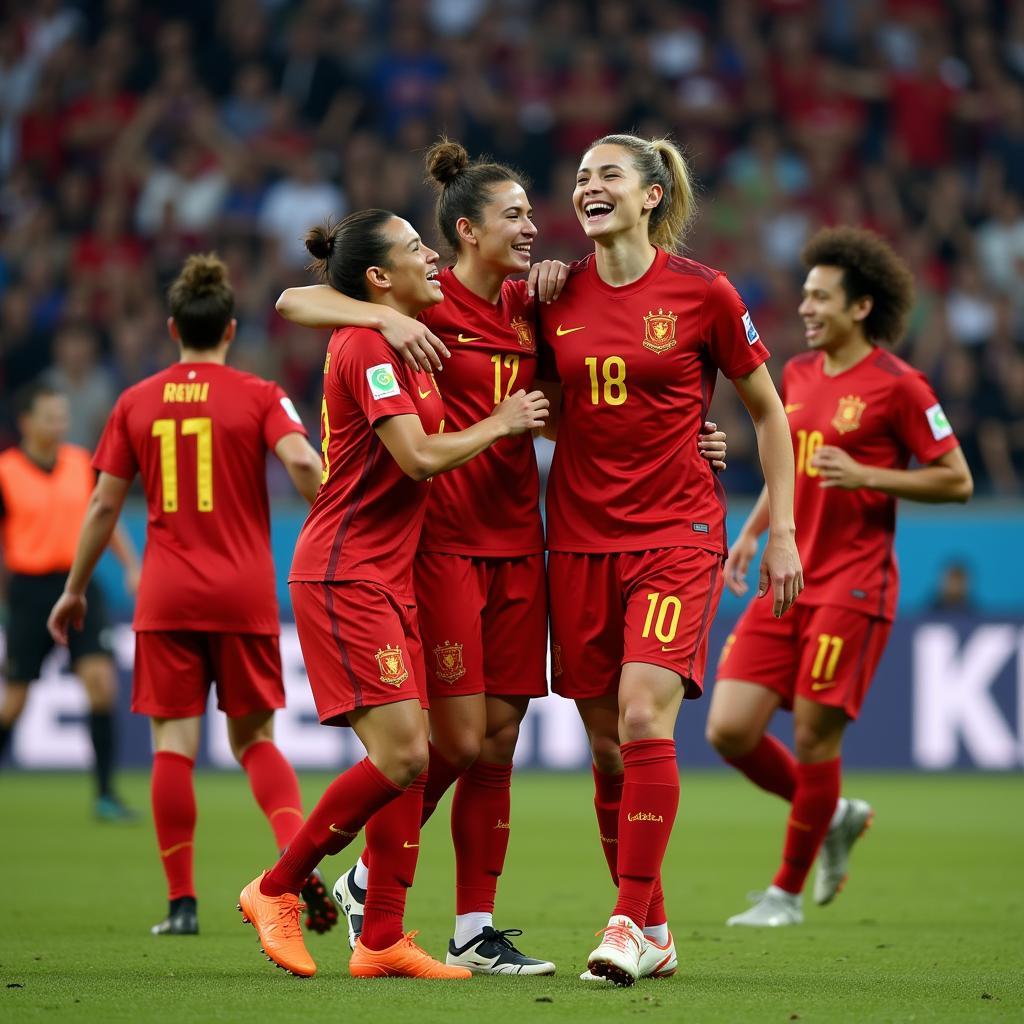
x=402, y=960
x=276, y=920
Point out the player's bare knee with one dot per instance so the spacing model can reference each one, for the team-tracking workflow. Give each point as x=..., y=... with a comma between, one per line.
x=500, y=744
x=606, y=754
x=639, y=721
x=405, y=762
x=460, y=751
x=730, y=739
x=811, y=745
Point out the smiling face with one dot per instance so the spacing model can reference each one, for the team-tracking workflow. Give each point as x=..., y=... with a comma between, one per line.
x=830, y=318
x=504, y=237
x=410, y=277
x=610, y=197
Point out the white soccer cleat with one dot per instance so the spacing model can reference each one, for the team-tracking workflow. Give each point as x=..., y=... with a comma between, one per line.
x=617, y=958
x=350, y=898
x=656, y=961
x=775, y=908
x=834, y=858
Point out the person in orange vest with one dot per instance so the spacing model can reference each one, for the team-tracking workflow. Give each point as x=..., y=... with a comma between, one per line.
x=45, y=486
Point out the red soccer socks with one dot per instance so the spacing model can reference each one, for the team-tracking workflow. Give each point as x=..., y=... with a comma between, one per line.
x=276, y=789
x=174, y=814
x=346, y=806
x=480, y=832
x=650, y=798
x=814, y=803
x=393, y=839
x=441, y=773
x=769, y=765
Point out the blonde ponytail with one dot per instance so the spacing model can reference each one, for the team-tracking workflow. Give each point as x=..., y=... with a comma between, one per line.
x=659, y=162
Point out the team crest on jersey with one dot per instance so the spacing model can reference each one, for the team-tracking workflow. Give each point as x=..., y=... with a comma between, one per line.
x=556, y=659
x=391, y=665
x=660, y=330
x=449, y=662
x=848, y=414
x=524, y=333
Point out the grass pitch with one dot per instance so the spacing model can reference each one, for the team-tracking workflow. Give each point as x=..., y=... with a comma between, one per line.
x=929, y=929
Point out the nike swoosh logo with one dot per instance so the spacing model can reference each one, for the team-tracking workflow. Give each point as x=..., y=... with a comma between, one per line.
x=462, y=338
x=410, y=846
x=793, y=407
x=424, y=394
x=667, y=649
x=821, y=686
x=341, y=831
x=561, y=331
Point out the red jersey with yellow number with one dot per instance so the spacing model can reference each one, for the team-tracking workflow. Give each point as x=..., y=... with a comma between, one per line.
x=880, y=412
x=198, y=434
x=491, y=505
x=365, y=522
x=638, y=366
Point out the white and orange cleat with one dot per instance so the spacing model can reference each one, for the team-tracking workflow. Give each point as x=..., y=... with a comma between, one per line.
x=276, y=920
x=617, y=958
x=402, y=960
x=656, y=961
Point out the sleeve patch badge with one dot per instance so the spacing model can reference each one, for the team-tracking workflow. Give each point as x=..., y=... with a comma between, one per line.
x=941, y=427
x=748, y=326
x=383, y=383
x=293, y=413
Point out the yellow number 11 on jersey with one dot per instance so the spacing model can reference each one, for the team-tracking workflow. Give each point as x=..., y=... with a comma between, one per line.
x=201, y=427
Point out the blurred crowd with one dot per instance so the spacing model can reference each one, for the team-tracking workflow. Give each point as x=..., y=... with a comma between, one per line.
x=132, y=133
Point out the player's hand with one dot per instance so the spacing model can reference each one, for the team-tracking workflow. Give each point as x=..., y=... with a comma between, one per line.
x=837, y=469
x=781, y=573
x=547, y=279
x=68, y=611
x=418, y=347
x=741, y=554
x=522, y=412
x=711, y=443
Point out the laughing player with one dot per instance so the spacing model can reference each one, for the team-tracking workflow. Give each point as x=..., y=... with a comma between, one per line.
x=857, y=415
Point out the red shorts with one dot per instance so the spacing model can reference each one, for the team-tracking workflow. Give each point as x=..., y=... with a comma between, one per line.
x=484, y=624
x=361, y=647
x=824, y=653
x=173, y=672
x=607, y=610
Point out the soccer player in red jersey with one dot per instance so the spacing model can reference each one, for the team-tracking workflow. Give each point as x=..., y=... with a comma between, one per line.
x=352, y=588
x=479, y=570
x=198, y=433
x=636, y=519
x=858, y=415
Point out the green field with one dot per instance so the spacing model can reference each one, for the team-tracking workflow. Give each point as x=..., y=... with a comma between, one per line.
x=930, y=928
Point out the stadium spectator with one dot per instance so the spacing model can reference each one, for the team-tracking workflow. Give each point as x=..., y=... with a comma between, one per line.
x=919, y=119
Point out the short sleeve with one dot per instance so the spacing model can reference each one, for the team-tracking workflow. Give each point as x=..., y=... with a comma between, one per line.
x=370, y=371
x=114, y=453
x=281, y=417
x=728, y=331
x=920, y=423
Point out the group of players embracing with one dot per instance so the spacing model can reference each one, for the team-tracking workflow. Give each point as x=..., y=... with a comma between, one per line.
x=419, y=577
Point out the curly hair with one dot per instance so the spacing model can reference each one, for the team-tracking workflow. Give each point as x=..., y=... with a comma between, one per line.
x=870, y=268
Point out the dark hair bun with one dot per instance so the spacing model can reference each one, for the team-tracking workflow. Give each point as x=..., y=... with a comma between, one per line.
x=446, y=161
x=203, y=273
x=319, y=241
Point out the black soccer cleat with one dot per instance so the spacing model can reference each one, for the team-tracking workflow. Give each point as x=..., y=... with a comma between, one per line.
x=321, y=912
x=182, y=919
x=492, y=952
